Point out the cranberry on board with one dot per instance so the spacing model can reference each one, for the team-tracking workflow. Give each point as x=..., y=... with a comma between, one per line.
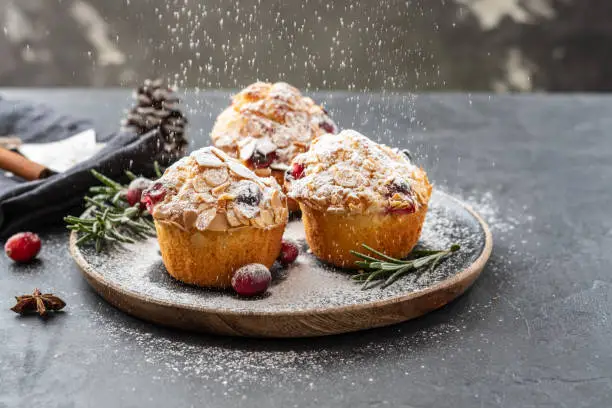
x=153, y=195
x=289, y=252
x=22, y=247
x=251, y=280
x=135, y=189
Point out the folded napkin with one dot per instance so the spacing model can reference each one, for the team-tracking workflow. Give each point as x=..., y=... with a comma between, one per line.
x=31, y=205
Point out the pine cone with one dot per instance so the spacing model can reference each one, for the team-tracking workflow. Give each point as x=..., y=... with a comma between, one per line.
x=157, y=108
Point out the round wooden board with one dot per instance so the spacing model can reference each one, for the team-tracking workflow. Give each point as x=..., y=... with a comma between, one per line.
x=307, y=299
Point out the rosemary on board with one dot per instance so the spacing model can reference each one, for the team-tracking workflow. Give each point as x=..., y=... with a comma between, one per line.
x=388, y=270
x=110, y=218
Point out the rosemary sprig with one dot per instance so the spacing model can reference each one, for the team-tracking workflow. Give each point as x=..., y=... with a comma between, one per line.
x=110, y=219
x=388, y=270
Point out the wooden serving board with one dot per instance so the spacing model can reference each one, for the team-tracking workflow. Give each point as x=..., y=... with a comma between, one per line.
x=306, y=299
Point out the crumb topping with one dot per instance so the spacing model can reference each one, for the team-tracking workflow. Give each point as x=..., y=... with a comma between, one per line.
x=349, y=173
x=209, y=190
x=267, y=125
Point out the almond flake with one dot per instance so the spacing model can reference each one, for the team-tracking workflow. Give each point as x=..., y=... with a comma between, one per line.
x=205, y=218
x=189, y=217
x=241, y=171
x=246, y=211
x=247, y=149
x=347, y=177
x=275, y=199
x=219, y=223
x=205, y=158
x=257, y=222
x=267, y=217
x=220, y=189
x=265, y=146
x=232, y=219
x=215, y=177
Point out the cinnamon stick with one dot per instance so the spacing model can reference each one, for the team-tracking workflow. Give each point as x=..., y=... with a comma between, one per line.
x=22, y=167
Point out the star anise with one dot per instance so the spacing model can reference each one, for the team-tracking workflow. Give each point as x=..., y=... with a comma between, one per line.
x=38, y=302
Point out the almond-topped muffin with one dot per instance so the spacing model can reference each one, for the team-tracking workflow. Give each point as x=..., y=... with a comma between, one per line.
x=267, y=125
x=352, y=190
x=214, y=215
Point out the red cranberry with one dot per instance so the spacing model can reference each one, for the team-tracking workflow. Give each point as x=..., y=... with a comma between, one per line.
x=289, y=252
x=22, y=247
x=296, y=172
x=262, y=161
x=328, y=127
x=135, y=189
x=153, y=195
x=251, y=280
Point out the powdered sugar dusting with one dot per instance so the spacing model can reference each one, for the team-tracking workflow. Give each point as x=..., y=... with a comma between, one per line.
x=350, y=173
x=306, y=285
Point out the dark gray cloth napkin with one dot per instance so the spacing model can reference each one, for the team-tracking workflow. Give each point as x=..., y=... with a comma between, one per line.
x=31, y=205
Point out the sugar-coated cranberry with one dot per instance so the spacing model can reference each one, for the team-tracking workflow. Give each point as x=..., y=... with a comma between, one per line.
x=247, y=193
x=328, y=127
x=296, y=172
x=289, y=252
x=153, y=195
x=135, y=189
x=251, y=280
x=22, y=247
x=261, y=161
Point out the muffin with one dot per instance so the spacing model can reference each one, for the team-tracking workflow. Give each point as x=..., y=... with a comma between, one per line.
x=214, y=215
x=267, y=125
x=352, y=190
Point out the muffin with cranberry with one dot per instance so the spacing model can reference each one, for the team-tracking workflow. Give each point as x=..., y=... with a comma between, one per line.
x=267, y=125
x=214, y=215
x=352, y=190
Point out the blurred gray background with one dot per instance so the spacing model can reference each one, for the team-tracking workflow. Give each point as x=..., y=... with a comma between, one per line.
x=416, y=45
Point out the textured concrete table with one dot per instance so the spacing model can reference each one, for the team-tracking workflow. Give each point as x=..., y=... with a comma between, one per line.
x=535, y=329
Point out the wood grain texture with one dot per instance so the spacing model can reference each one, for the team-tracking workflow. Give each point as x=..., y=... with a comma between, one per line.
x=319, y=322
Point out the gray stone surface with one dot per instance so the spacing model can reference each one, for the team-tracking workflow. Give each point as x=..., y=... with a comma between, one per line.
x=500, y=45
x=533, y=331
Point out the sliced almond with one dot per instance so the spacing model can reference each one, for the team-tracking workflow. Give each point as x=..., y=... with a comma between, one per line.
x=347, y=177
x=204, y=197
x=220, y=189
x=215, y=177
x=205, y=218
x=265, y=146
x=275, y=199
x=189, y=217
x=240, y=217
x=247, y=149
x=232, y=219
x=258, y=222
x=241, y=171
x=220, y=154
x=219, y=223
x=279, y=166
x=226, y=197
x=200, y=185
x=267, y=217
x=263, y=172
x=206, y=158
x=246, y=211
